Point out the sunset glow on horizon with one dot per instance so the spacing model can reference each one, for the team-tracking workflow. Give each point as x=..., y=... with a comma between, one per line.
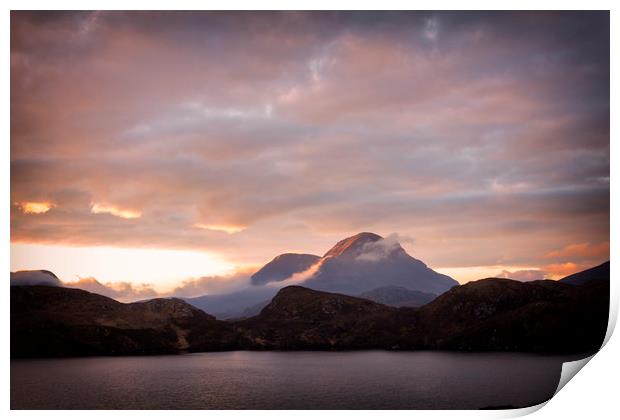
x=163, y=269
x=160, y=148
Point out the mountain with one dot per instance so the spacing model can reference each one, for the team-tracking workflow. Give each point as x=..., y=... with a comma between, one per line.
x=282, y=267
x=398, y=296
x=595, y=274
x=254, y=309
x=367, y=261
x=354, y=265
x=58, y=321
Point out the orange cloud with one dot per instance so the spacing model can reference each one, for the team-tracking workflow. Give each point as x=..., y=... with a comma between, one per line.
x=522, y=275
x=231, y=282
x=32, y=207
x=230, y=229
x=98, y=208
x=583, y=250
x=556, y=271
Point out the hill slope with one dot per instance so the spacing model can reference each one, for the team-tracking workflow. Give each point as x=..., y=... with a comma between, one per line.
x=301, y=318
x=595, y=274
x=398, y=296
x=501, y=314
x=59, y=321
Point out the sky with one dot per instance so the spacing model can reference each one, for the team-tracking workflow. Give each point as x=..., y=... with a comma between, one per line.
x=153, y=151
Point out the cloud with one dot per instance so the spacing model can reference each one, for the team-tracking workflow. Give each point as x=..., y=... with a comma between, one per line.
x=522, y=275
x=549, y=271
x=214, y=284
x=34, y=207
x=471, y=132
x=383, y=248
x=582, y=250
x=431, y=29
x=98, y=208
x=575, y=257
x=227, y=229
x=129, y=292
x=34, y=278
x=123, y=291
x=300, y=277
x=564, y=269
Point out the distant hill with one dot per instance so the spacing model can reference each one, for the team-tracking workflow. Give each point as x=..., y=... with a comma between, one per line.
x=235, y=304
x=255, y=309
x=34, y=278
x=595, y=274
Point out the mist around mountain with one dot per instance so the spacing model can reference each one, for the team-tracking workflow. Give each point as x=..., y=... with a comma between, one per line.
x=283, y=267
x=360, y=264
x=485, y=315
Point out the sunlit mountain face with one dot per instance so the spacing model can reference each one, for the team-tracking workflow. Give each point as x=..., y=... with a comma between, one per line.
x=178, y=152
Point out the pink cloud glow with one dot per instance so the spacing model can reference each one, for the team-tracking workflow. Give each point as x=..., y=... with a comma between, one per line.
x=243, y=135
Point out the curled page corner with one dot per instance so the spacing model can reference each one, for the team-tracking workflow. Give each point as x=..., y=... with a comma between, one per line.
x=570, y=369
x=520, y=412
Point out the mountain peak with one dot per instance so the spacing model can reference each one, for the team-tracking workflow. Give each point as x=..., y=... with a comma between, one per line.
x=353, y=243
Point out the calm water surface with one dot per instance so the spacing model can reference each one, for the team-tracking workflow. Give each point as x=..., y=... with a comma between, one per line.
x=287, y=380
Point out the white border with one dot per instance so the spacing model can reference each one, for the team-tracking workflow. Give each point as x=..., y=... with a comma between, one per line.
x=592, y=395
